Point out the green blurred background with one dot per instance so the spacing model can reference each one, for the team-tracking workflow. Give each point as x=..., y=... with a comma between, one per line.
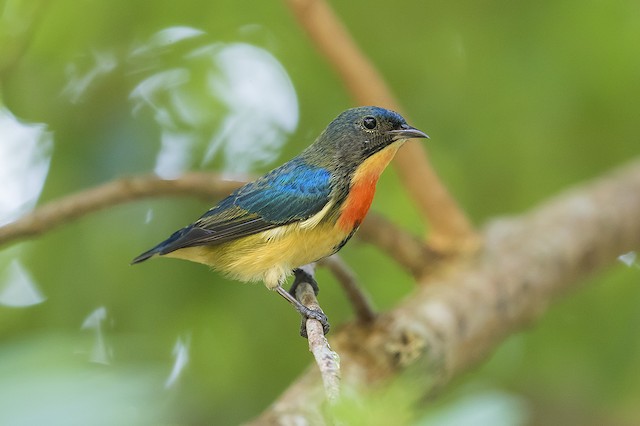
x=521, y=99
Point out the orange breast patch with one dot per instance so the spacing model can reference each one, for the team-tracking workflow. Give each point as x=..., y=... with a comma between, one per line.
x=363, y=187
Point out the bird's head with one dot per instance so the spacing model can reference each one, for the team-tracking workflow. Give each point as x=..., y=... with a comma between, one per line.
x=357, y=134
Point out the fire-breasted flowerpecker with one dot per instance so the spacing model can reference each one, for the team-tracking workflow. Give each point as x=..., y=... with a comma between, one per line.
x=300, y=212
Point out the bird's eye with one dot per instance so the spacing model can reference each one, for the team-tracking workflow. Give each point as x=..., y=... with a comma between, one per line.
x=370, y=123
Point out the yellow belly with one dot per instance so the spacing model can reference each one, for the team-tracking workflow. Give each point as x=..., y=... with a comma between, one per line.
x=269, y=256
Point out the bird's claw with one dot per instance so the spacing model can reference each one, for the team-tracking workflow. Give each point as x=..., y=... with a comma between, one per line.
x=302, y=276
x=316, y=315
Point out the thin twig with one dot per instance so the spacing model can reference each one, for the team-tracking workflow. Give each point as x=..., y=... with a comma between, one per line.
x=359, y=299
x=406, y=249
x=451, y=231
x=327, y=360
x=71, y=207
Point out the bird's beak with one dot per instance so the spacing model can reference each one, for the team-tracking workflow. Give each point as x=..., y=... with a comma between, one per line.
x=407, y=132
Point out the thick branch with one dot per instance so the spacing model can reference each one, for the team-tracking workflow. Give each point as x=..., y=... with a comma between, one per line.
x=450, y=229
x=456, y=319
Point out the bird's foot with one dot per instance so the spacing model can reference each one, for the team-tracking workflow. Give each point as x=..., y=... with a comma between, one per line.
x=302, y=276
x=316, y=315
x=306, y=312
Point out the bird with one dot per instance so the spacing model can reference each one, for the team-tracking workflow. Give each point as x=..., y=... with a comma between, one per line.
x=298, y=213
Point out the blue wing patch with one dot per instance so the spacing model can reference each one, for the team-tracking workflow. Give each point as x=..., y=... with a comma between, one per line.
x=293, y=192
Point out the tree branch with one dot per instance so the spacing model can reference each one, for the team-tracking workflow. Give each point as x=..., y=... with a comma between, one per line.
x=455, y=319
x=451, y=231
x=327, y=360
x=71, y=207
x=360, y=301
x=409, y=251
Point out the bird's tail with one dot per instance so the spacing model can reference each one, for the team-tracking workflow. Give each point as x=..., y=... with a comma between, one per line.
x=174, y=242
x=146, y=255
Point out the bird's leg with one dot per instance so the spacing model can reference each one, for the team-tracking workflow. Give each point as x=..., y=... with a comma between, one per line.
x=304, y=311
x=305, y=275
x=302, y=276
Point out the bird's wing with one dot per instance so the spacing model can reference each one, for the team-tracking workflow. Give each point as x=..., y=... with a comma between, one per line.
x=291, y=193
